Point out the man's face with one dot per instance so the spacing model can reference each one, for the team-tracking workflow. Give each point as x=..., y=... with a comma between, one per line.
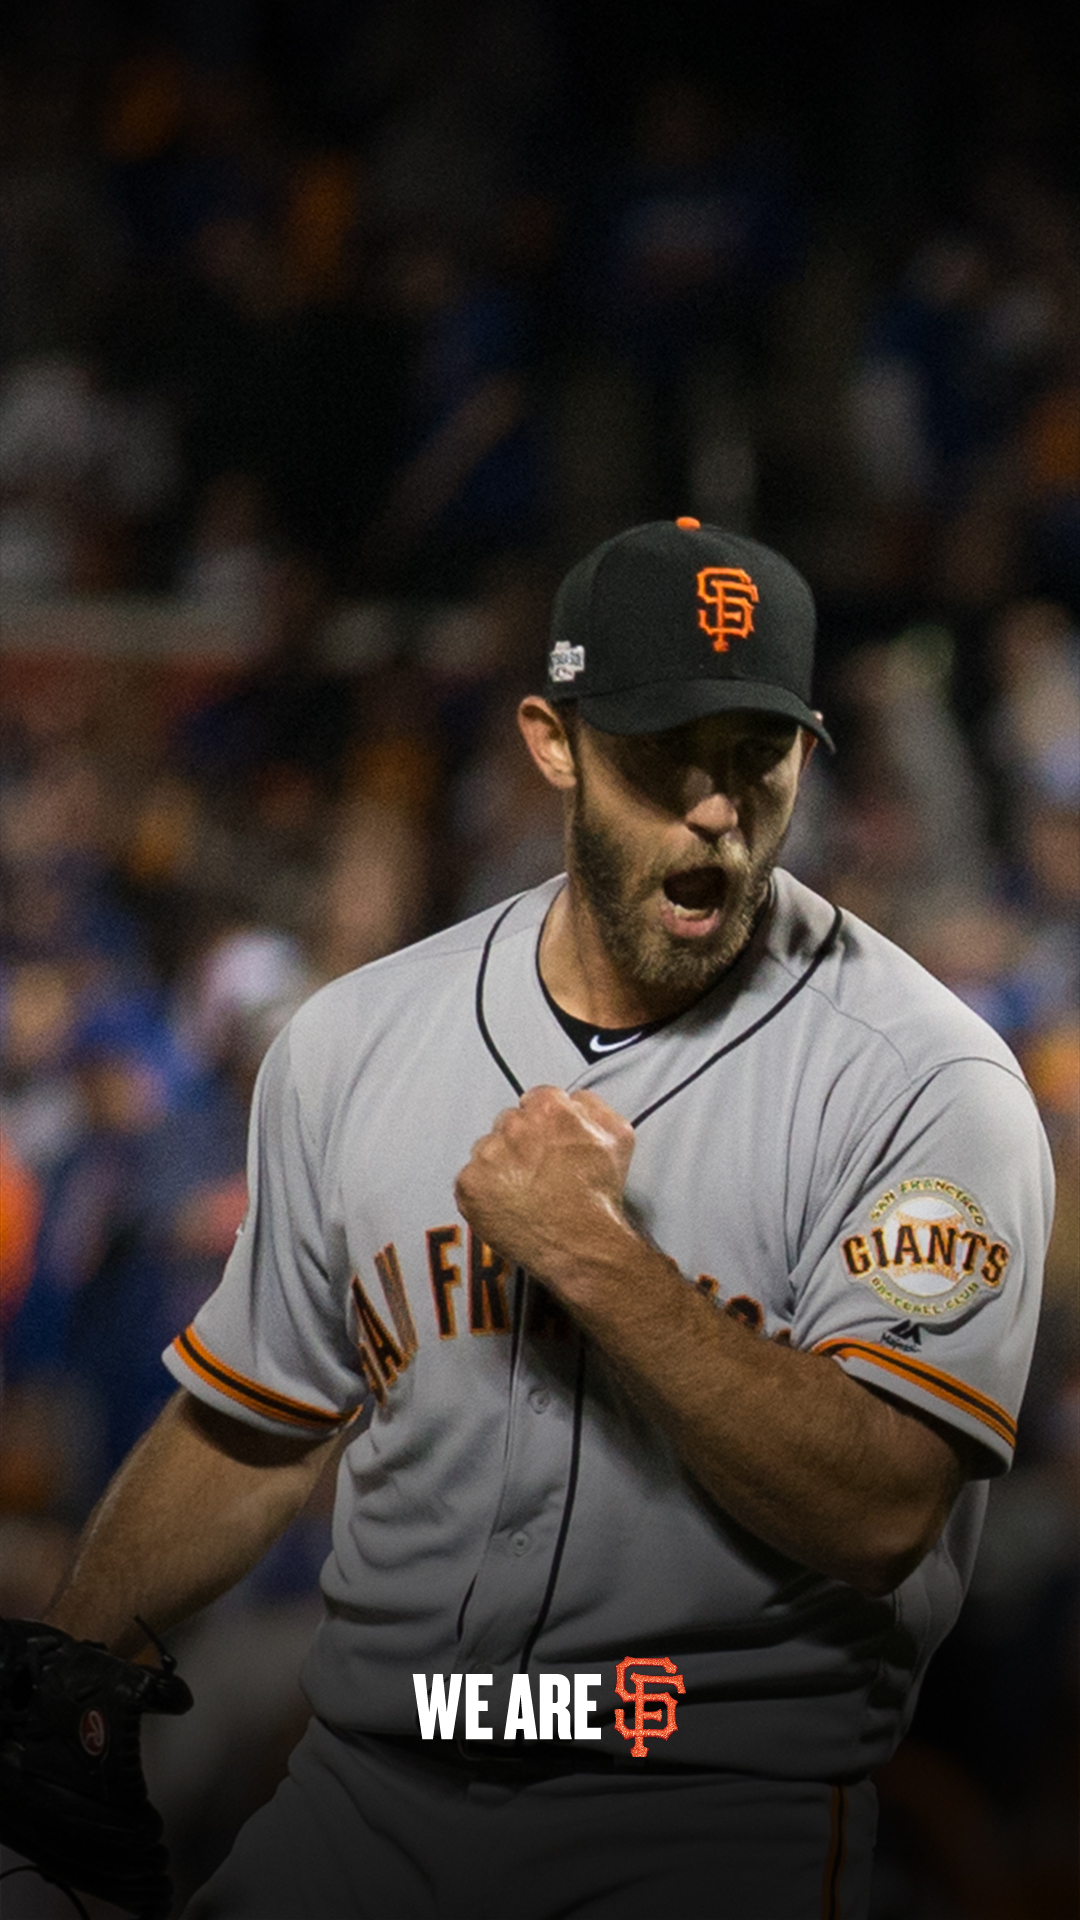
x=673, y=837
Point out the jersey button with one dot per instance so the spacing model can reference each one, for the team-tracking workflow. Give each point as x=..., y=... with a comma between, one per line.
x=519, y=1543
x=539, y=1399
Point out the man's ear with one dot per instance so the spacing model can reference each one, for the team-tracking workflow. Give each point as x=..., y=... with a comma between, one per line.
x=809, y=746
x=548, y=742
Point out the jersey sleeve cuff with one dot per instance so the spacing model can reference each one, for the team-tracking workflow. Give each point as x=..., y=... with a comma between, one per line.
x=191, y=1362
x=941, y=1394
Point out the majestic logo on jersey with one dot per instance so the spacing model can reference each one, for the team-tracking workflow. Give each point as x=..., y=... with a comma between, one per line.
x=905, y=1335
x=927, y=1251
x=649, y=1708
x=565, y=662
x=728, y=597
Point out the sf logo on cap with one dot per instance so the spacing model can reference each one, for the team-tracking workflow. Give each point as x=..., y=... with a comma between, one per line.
x=728, y=597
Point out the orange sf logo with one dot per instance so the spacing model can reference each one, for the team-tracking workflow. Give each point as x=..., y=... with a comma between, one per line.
x=647, y=1706
x=728, y=597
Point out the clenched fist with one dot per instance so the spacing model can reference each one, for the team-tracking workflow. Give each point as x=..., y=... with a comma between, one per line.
x=545, y=1186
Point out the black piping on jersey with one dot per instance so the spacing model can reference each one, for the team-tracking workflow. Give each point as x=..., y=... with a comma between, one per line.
x=481, y=976
x=568, y=1508
x=521, y=1288
x=464, y=1608
x=821, y=953
x=804, y=979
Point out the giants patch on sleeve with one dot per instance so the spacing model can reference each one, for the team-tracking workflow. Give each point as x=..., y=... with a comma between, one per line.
x=927, y=1249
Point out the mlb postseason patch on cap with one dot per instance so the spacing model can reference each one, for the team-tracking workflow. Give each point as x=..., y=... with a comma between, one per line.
x=566, y=662
x=673, y=620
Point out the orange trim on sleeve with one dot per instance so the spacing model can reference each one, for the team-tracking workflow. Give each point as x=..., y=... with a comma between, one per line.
x=956, y=1392
x=264, y=1400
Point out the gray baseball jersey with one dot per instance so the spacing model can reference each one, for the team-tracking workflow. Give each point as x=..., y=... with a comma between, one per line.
x=829, y=1144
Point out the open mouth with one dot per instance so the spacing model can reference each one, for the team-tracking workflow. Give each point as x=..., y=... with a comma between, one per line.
x=693, y=901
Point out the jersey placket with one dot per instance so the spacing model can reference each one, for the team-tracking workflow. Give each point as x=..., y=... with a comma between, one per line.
x=508, y=1597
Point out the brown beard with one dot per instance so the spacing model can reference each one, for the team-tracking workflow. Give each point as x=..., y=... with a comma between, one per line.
x=645, y=954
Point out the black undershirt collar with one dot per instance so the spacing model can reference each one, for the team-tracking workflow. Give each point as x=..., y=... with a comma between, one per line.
x=594, y=1042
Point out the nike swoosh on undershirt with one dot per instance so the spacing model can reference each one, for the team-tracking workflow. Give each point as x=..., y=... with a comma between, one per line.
x=612, y=1046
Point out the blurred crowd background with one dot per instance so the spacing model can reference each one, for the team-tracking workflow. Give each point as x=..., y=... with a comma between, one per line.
x=331, y=333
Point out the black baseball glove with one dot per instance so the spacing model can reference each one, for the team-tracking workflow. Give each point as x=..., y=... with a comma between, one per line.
x=72, y=1794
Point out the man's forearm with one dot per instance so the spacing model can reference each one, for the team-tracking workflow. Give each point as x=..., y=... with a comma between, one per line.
x=193, y=1508
x=815, y=1464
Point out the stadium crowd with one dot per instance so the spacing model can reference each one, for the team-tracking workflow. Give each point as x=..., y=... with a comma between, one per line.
x=335, y=334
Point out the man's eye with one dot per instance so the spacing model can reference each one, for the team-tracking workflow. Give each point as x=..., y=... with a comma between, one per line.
x=763, y=754
x=646, y=754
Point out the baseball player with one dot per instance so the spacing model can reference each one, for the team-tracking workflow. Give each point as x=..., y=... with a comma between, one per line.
x=662, y=1250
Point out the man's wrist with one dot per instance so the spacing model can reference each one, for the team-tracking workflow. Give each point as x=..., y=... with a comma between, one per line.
x=605, y=1262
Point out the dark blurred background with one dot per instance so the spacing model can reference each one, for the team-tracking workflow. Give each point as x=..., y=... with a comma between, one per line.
x=330, y=334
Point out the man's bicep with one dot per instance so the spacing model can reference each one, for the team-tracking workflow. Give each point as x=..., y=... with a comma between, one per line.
x=248, y=1446
x=926, y=1449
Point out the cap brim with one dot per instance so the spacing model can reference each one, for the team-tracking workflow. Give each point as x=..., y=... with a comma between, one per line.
x=672, y=703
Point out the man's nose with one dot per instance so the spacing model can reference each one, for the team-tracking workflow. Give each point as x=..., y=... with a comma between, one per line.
x=708, y=805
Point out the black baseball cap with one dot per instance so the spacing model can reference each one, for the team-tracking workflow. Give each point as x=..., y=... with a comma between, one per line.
x=673, y=620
